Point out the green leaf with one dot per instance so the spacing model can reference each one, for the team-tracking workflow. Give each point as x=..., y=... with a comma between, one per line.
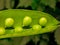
x=24, y=3
x=36, y=5
x=35, y=38
x=9, y=4
x=41, y=7
x=18, y=16
x=57, y=36
x=20, y=40
x=1, y=4
x=43, y=42
x=51, y=3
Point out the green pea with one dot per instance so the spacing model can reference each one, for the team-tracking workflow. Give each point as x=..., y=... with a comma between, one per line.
x=36, y=27
x=43, y=21
x=2, y=30
x=27, y=21
x=18, y=29
x=9, y=22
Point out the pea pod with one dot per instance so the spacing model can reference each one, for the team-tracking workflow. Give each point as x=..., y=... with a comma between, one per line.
x=18, y=16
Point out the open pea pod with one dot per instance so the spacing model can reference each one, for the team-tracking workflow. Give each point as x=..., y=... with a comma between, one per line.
x=18, y=15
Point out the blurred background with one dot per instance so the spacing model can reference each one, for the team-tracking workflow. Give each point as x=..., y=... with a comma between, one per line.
x=48, y=6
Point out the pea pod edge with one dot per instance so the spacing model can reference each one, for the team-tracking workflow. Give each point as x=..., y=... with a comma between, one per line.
x=19, y=14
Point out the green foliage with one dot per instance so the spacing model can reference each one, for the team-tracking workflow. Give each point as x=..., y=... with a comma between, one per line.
x=40, y=4
x=24, y=3
x=50, y=3
x=36, y=5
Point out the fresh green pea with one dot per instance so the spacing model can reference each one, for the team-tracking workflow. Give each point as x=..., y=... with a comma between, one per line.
x=9, y=22
x=2, y=30
x=36, y=27
x=27, y=21
x=43, y=21
x=18, y=29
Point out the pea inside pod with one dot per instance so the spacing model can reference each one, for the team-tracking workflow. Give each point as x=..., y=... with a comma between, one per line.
x=9, y=22
x=36, y=27
x=18, y=29
x=27, y=21
x=43, y=21
x=2, y=31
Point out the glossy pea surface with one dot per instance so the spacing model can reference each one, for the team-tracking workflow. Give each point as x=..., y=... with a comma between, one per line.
x=27, y=21
x=36, y=27
x=43, y=21
x=18, y=29
x=2, y=31
x=9, y=22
